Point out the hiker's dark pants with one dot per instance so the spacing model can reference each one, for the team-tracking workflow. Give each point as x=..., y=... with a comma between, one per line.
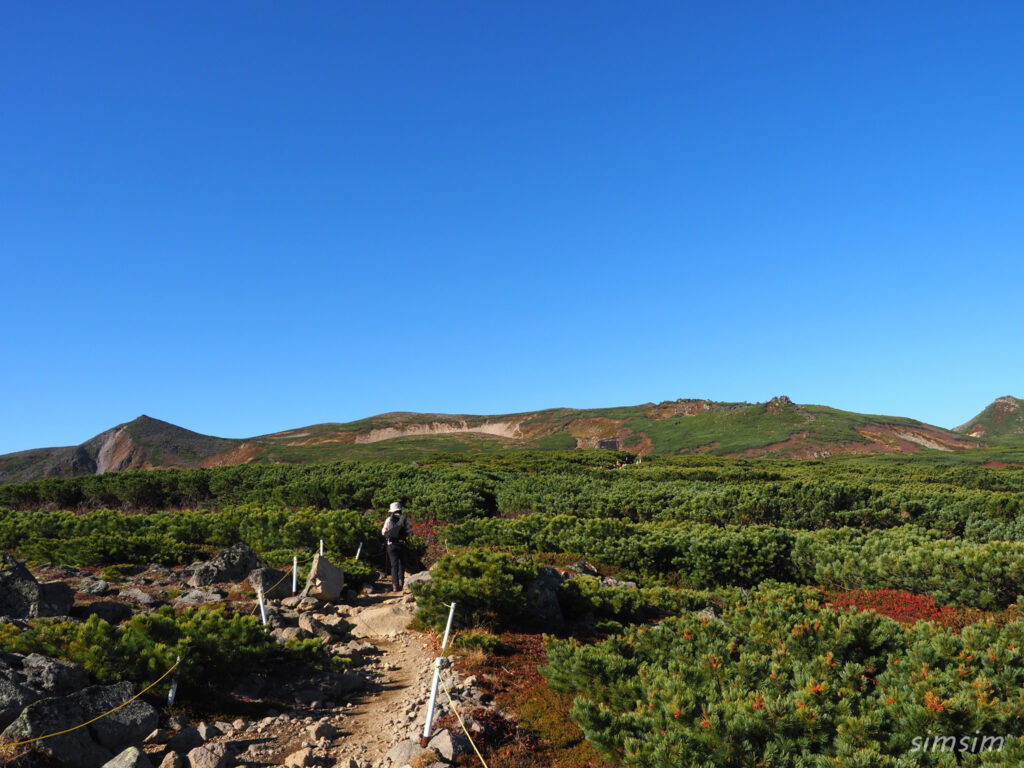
x=396, y=561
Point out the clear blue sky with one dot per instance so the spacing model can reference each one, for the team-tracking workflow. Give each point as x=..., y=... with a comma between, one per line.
x=243, y=217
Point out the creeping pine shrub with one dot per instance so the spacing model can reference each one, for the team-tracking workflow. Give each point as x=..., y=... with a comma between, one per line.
x=212, y=646
x=481, y=641
x=488, y=588
x=780, y=680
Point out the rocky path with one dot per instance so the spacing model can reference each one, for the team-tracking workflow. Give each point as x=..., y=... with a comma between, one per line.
x=369, y=715
x=397, y=666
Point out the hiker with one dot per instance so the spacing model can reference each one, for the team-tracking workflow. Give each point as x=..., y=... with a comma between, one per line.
x=395, y=532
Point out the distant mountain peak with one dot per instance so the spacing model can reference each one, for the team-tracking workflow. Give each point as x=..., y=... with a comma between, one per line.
x=776, y=428
x=1003, y=418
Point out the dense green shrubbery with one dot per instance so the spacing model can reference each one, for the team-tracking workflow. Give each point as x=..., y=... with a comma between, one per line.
x=213, y=647
x=106, y=536
x=490, y=589
x=692, y=554
x=983, y=575
x=782, y=682
x=978, y=502
x=585, y=595
x=989, y=575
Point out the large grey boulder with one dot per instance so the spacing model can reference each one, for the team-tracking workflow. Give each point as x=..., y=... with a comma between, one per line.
x=197, y=597
x=326, y=580
x=271, y=582
x=448, y=745
x=133, y=757
x=542, y=600
x=382, y=621
x=188, y=739
x=110, y=611
x=22, y=597
x=25, y=679
x=209, y=756
x=93, y=745
x=231, y=564
x=404, y=752
x=424, y=577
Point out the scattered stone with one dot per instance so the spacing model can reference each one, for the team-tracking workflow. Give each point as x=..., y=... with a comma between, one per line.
x=132, y=757
x=584, y=568
x=300, y=759
x=447, y=745
x=232, y=564
x=291, y=602
x=22, y=597
x=326, y=580
x=158, y=736
x=207, y=731
x=285, y=634
x=173, y=760
x=322, y=730
x=187, y=740
x=208, y=756
x=608, y=581
x=92, y=587
x=422, y=577
x=197, y=597
x=315, y=628
x=136, y=595
x=404, y=752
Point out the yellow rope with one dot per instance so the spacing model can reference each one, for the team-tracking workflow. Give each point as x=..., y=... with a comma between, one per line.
x=100, y=717
x=457, y=715
x=286, y=575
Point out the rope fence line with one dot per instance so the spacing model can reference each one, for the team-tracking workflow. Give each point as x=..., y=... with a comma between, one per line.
x=463, y=724
x=281, y=581
x=99, y=717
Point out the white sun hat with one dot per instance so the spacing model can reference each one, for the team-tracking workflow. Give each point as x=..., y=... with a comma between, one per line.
x=395, y=507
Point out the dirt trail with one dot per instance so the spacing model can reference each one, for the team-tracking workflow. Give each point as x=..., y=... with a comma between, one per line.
x=380, y=720
x=390, y=709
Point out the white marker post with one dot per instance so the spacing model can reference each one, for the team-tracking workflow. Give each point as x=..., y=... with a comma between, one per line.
x=263, y=609
x=295, y=574
x=172, y=694
x=359, y=550
x=427, y=726
x=321, y=547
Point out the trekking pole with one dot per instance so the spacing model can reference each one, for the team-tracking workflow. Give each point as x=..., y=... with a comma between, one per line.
x=427, y=726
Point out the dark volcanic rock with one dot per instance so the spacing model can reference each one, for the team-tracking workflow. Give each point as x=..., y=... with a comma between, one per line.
x=232, y=564
x=108, y=610
x=542, y=599
x=96, y=743
x=21, y=596
x=272, y=582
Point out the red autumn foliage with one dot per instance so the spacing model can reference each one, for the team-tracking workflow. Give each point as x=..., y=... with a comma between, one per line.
x=904, y=607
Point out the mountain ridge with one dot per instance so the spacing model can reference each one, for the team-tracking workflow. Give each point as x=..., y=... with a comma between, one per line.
x=776, y=428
